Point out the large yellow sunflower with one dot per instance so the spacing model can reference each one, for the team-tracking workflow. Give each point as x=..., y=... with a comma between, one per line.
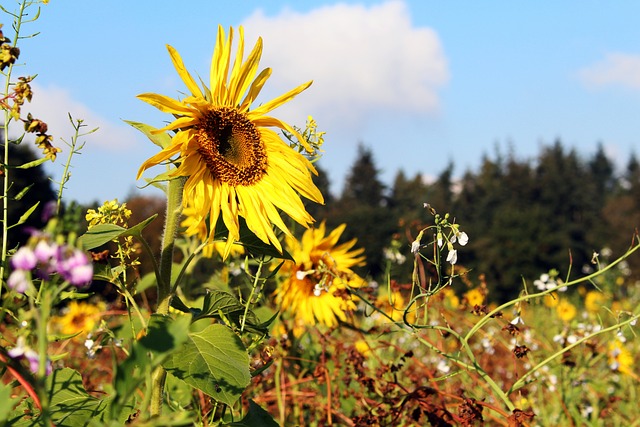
x=235, y=164
x=315, y=289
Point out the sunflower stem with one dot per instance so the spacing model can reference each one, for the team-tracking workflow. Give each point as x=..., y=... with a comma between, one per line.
x=174, y=211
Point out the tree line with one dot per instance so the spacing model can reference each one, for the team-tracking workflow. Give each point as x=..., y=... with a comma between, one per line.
x=524, y=216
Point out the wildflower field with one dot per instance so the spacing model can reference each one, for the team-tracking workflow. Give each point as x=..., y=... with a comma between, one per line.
x=254, y=310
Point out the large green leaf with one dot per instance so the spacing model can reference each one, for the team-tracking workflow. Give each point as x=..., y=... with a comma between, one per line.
x=256, y=417
x=214, y=361
x=69, y=403
x=104, y=233
x=99, y=235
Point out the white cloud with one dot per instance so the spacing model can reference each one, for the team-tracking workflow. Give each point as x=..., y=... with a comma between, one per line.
x=53, y=104
x=618, y=69
x=362, y=60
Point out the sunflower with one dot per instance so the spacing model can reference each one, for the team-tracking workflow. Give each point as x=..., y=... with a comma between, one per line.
x=79, y=317
x=235, y=164
x=315, y=289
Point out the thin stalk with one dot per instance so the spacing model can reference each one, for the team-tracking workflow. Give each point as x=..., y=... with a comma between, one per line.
x=43, y=344
x=172, y=221
x=5, y=168
x=72, y=150
x=253, y=289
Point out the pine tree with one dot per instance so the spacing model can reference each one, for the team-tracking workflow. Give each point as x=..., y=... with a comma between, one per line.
x=363, y=207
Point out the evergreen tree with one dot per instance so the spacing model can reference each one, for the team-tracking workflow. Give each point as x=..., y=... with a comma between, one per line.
x=362, y=207
x=407, y=199
x=38, y=190
x=621, y=215
x=363, y=183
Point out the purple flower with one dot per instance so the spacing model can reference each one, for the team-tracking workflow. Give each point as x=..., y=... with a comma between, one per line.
x=45, y=251
x=21, y=351
x=24, y=259
x=75, y=267
x=81, y=275
x=18, y=281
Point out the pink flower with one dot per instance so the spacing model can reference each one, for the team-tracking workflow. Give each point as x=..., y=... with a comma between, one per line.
x=24, y=259
x=19, y=281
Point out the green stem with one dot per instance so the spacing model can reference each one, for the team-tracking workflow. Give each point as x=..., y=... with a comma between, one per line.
x=172, y=221
x=5, y=168
x=253, y=290
x=43, y=344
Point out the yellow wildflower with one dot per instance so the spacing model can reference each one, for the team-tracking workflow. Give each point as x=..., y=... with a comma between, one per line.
x=566, y=311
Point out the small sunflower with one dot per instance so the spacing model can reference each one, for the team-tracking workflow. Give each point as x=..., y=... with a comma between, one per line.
x=235, y=164
x=79, y=317
x=315, y=290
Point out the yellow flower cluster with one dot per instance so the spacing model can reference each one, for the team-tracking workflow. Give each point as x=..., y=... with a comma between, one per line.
x=112, y=212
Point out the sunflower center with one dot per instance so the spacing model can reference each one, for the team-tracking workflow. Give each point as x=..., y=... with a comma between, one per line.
x=231, y=147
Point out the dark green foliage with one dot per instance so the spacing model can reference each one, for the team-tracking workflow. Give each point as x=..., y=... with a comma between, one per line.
x=40, y=191
x=363, y=206
x=524, y=216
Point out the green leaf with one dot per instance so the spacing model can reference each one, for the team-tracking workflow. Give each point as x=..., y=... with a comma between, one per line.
x=104, y=233
x=162, y=139
x=69, y=399
x=214, y=361
x=165, y=335
x=136, y=230
x=6, y=402
x=256, y=417
x=218, y=303
x=25, y=216
x=99, y=235
x=69, y=405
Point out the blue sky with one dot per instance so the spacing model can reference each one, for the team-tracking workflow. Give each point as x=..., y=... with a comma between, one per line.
x=420, y=82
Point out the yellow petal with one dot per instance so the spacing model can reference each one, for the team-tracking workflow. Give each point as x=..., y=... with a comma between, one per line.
x=256, y=87
x=182, y=71
x=260, y=120
x=282, y=99
x=245, y=77
x=159, y=157
x=220, y=66
x=165, y=104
